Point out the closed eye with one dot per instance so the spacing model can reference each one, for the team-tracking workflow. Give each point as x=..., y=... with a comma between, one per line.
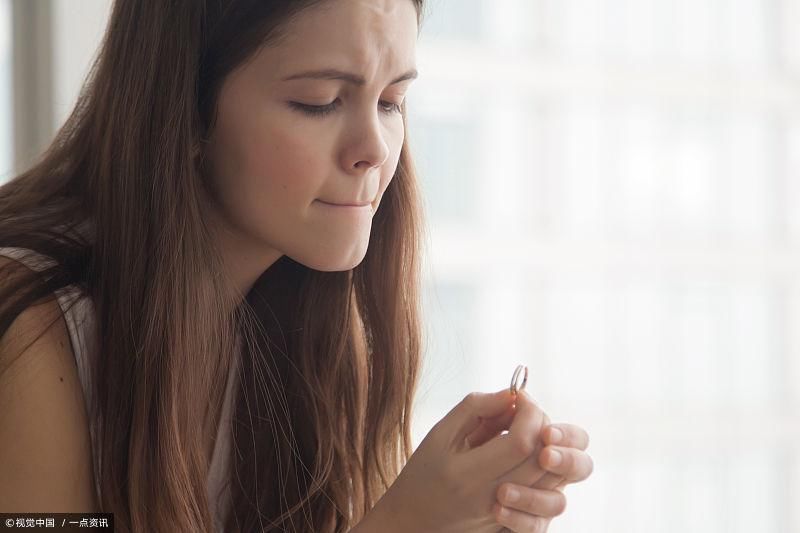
x=322, y=110
x=392, y=107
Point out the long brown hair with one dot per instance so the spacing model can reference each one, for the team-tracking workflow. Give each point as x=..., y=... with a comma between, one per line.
x=329, y=360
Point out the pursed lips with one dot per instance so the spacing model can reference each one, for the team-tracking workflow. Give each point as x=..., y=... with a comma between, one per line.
x=357, y=204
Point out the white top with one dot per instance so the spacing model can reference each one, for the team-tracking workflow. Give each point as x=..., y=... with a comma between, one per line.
x=80, y=319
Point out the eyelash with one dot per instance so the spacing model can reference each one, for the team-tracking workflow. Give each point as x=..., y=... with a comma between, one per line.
x=322, y=110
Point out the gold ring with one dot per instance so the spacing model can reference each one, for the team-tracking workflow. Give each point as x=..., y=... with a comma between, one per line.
x=515, y=377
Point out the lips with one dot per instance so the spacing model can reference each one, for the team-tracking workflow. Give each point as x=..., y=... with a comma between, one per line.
x=351, y=204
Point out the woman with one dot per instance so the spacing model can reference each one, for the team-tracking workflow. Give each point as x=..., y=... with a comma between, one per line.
x=248, y=351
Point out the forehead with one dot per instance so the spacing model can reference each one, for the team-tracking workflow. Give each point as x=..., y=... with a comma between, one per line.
x=368, y=35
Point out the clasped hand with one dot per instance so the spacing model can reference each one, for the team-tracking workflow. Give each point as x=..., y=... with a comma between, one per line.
x=530, y=496
x=461, y=475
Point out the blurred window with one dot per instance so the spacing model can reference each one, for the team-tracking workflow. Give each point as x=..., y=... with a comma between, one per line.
x=6, y=122
x=613, y=192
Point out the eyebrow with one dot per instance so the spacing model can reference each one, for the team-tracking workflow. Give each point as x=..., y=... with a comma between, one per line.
x=333, y=74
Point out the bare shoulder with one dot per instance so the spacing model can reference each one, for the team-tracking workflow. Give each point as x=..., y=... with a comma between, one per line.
x=45, y=446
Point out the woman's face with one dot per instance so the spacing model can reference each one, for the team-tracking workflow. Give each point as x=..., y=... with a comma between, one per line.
x=274, y=160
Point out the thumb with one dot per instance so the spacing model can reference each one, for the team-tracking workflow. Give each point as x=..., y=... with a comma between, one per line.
x=490, y=427
x=466, y=416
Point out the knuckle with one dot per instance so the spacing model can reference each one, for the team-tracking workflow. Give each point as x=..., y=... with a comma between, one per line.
x=471, y=398
x=524, y=446
x=544, y=456
x=502, y=491
x=496, y=513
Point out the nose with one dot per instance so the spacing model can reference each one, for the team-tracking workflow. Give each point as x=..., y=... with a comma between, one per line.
x=367, y=147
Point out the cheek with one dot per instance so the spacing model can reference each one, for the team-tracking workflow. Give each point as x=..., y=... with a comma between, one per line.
x=391, y=165
x=273, y=166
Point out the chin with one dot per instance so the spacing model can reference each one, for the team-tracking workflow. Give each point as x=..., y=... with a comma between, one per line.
x=329, y=264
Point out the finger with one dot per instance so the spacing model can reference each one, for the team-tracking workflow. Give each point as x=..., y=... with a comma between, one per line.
x=550, y=481
x=546, y=503
x=466, y=416
x=518, y=521
x=568, y=435
x=574, y=465
x=505, y=452
x=531, y=474
x=490, y=428
x=495, y=426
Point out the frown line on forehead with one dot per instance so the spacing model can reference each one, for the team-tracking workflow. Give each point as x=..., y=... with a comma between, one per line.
x=355, y=79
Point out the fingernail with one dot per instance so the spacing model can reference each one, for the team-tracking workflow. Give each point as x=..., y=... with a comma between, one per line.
x=505, y=513
x=555, y=458
x=555, y=435
x=512, y=495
